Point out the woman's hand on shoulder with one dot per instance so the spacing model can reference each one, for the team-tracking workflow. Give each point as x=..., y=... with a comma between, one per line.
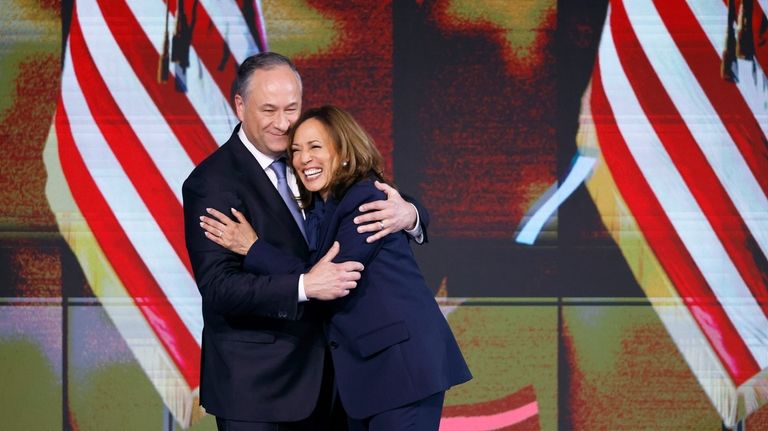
x=236, y=236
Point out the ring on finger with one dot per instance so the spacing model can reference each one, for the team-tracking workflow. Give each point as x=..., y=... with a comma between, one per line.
x=220, y=233
x=381, y=225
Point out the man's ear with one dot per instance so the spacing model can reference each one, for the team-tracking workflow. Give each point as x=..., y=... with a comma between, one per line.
x=239, y=106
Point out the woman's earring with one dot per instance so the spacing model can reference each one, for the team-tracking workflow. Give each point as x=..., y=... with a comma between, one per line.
x=345, y=164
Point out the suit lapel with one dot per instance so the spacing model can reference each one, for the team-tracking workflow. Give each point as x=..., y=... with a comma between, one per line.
x=256, y=179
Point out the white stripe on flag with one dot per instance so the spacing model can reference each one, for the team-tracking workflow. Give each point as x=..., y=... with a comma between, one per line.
x=713, y=18
x=203, y=93
x=228, y=18
x=697, y=351
x=136, y=105
x=262, y=23
x=685, y=215
x=701, y=118
x=131, y=213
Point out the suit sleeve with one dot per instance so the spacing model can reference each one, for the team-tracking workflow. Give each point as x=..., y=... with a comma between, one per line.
x=219, y=274
x=423, y=216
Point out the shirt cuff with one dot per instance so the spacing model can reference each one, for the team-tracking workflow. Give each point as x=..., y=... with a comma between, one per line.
x=416, y=233
x=302, y=293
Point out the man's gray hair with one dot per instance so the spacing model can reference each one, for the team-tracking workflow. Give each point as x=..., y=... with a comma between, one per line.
x=261, y=61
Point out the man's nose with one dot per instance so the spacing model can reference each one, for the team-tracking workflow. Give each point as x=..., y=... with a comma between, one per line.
x=282, y=122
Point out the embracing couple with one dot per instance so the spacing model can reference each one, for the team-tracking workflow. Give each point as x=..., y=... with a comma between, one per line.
x=316, y=316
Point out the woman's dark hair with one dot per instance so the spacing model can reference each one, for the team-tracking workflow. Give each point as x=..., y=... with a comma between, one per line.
x=359, y=157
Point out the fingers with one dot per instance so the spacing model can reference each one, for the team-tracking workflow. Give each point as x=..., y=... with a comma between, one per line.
x=238, y=215
x=378, y=235
x=374, y=206
x=327, y=280
x=214, y=238
x=387, y=189
x=218, y=215
x=332, y=252
x=212, y=227
x=387, y=212
x=374, y=226
x=352, y=268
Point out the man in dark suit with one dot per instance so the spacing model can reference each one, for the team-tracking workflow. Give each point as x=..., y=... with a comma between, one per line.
x=264, y=361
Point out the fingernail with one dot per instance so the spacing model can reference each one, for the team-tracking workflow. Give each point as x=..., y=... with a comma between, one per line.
x=356, y=220
x=202, y=224
x=359, y=229
x=362, y=208
x=208, y=210
x=202, y=218
x=233, y=210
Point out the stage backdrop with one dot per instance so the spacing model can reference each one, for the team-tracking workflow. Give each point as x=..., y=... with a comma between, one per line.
x=596, y=174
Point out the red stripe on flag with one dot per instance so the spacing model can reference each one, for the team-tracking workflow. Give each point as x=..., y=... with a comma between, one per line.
x=665, y=242
x=761, y=48
x=133, y=273
x=726, y=99
x=176, y=109
x=133, y=157
x=688, y=158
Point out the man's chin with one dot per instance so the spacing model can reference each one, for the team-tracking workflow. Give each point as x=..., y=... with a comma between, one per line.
x=278, y=147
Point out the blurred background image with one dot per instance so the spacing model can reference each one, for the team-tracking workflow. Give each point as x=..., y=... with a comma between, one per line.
x=596, y=173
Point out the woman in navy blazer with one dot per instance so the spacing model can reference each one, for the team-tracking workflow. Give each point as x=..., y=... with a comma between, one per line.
x=394, y=355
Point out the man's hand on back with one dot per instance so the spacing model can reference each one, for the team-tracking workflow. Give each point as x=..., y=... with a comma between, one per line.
x=327, y=280
x=386, y=216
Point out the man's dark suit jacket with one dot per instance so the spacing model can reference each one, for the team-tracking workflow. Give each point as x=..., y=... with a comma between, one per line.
x=262, y=352
x=390, y=343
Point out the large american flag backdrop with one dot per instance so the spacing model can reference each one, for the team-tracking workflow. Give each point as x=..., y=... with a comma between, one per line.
x=144, y=97
x=678, y=113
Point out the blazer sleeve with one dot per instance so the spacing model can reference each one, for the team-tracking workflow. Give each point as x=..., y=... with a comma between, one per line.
x=353, y=245
x=222, y=282
x=264, y=258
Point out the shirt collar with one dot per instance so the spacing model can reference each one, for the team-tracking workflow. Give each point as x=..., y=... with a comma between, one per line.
x=263, y=159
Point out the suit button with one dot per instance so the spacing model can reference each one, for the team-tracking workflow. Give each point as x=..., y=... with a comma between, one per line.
x=333, y=345
x=282, y=314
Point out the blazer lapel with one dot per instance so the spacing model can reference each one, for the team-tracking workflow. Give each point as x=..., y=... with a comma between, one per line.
x=328, y=226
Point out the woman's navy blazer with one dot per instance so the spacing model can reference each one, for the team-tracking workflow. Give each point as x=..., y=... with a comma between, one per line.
x=389, y=341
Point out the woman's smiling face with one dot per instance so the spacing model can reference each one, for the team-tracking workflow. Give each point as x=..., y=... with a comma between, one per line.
x=314, y=157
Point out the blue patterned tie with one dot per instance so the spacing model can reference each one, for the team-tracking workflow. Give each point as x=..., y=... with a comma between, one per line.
x=278, y=167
